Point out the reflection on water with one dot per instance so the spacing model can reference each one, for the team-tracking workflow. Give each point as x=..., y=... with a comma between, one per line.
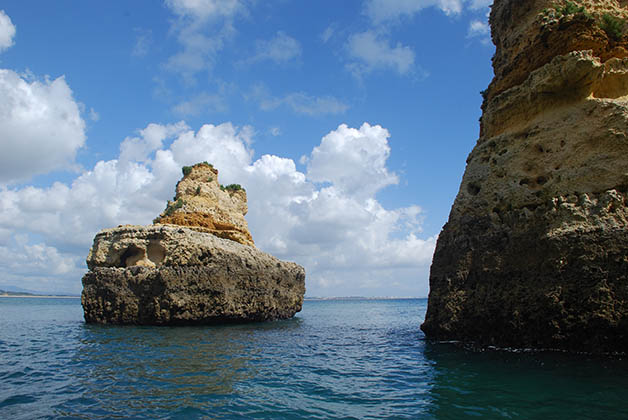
x=501, y=384
x=163, y=369
x=337, y=359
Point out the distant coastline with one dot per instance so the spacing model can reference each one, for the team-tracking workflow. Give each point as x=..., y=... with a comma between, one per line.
x=363, y=298
x=7, y=294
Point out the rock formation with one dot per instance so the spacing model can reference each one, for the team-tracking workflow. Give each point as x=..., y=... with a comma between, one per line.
x=196, y=265
x=204, y=205
x=535, y=251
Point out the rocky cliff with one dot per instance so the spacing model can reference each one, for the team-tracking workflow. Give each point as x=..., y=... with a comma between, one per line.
x=535, y=251
x=195, y=265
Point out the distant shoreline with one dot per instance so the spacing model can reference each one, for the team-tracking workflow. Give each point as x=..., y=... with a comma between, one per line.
x=40, y=296
x=363, y=298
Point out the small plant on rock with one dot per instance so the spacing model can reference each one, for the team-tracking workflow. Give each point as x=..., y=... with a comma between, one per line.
x=186, y=170
x=172, y=207
x=613, y=26
x=234, y=187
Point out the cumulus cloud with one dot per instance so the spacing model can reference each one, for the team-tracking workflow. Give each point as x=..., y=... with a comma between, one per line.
x=298, y=102
x=327, y=218
x=347, y=157
x=281, y=48
x=370, y=51
x=41, y=127
x=7, y=31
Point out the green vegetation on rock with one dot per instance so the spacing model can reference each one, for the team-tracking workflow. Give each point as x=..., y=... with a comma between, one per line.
x=613, y=26
x=172, y=207
x=231, y=187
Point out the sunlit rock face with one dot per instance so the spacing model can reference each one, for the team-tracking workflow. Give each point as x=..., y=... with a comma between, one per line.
x=535, y=251
x=201, y=203
x=195, y=265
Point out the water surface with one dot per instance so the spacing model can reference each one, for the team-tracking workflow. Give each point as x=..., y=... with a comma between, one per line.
x=336, y=359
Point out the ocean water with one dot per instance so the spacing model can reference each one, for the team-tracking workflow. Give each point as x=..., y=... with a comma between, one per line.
x=336, y=359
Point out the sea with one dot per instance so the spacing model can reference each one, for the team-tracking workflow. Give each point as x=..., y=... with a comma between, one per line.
x=336, y=359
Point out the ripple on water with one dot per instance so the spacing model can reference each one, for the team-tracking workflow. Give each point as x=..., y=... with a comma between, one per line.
x=338, y=359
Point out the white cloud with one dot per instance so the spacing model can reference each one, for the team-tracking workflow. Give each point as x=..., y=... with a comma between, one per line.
x=385, y=11
x=370, y=51
x=41, y=127
x=275, y=131
x=203, y=102
x=389, y=10
x=93, y=115
x=479, y=29
x=205, y=9
x=298, y=102
x=143, y=42
x=151, y=139
x=480, y=4
x=7, y=31
x=280, y=49
x=328, y=33
x=202, y=28
x=348, y=242
x=353, y=160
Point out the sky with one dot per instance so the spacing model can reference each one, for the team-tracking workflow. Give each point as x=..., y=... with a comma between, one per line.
x=348, y=123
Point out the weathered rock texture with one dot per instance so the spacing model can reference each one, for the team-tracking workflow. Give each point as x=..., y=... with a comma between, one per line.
x=167, y=274
x=201, y=204
x=535, y=252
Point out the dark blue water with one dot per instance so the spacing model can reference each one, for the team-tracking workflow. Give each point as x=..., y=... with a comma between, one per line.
x=336, y=359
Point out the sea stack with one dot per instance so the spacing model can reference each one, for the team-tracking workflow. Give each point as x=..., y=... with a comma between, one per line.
x=197, y=264
x=535, y=251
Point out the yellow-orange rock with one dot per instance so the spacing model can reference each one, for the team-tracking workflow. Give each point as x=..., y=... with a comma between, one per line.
x=202, y=204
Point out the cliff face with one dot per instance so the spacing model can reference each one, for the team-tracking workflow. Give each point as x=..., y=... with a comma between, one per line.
x=195, y=265
x=535, y=252
x=202, y=204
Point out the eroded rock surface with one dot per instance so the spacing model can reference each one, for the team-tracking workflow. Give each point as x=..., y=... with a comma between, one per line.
x=189, y=274
x=535, y=252
x=202, y=204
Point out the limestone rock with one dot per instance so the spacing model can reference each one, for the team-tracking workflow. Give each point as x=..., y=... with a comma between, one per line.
x=535, y=251
x=175, y=275
x=202, y=204
x=189, y=274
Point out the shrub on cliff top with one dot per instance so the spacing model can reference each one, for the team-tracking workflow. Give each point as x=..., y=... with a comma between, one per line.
x=231, y=187
x=613, y=26
x=186, y=170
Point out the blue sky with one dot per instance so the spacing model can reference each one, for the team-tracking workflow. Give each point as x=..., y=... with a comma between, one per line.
x=348, y=123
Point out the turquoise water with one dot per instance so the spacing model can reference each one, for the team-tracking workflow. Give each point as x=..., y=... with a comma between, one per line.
x=336, y=359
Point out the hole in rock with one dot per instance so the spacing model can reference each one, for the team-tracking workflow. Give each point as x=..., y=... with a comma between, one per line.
x=132, y=255
x=156, y=252
x=473, y=188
